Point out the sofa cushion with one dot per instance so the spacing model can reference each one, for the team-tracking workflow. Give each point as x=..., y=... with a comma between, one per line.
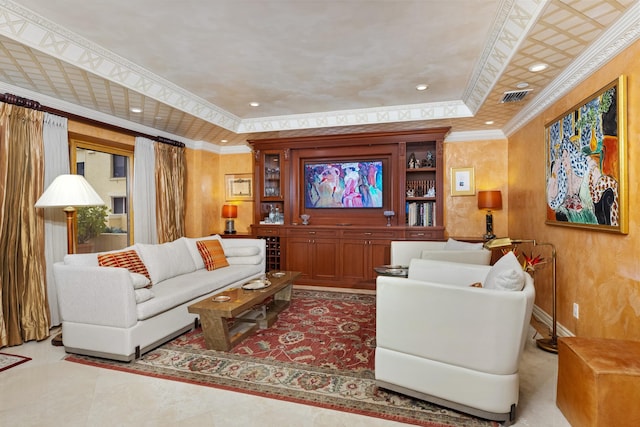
x=166, y=260
x=139, y=280
x=506, y=274
x=124, y=259
x=192, y=245
x=456, y=245
x=143, y=295
x=241, y=251
x=212, y=254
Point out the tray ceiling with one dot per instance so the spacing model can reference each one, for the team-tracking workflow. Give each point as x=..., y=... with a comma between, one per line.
x=315, y=67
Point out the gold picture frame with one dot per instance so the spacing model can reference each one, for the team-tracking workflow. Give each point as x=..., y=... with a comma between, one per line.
x=586, y=163
x=463, y=182
x=238, y=186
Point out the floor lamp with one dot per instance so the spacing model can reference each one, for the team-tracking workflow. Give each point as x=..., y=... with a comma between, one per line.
x=547, y=344
x=68, y=192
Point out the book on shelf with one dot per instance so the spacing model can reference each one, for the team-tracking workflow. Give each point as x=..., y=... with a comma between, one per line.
x=421, y=214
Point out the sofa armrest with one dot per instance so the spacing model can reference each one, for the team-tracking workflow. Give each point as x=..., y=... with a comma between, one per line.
x=448, y=272
x=95, y=295
x=451, y=323
x=238, y=243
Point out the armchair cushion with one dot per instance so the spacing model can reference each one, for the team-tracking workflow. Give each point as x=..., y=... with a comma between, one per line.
x=456, y=245
x=506, y=274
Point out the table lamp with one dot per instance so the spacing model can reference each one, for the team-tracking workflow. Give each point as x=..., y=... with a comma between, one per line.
x=69, y=192
x=489, y=200
x=229, y=212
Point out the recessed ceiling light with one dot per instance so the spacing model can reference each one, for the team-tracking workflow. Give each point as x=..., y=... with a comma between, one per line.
x=522, y=85
x=224, y=140
x=489, y=122
x=422, y=86
x=135, y=110
x=254, y=104
x=538, y=67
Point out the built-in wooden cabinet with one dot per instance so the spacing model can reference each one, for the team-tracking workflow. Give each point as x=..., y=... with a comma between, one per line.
x=342, y=245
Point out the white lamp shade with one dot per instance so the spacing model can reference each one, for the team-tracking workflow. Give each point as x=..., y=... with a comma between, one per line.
x=69, y=190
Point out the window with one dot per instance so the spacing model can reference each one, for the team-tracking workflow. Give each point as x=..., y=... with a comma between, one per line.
x=119, y=166
x=101, y=162
x=119, y=205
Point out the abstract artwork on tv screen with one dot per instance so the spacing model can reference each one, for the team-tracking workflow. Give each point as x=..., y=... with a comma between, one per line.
x=343, y=184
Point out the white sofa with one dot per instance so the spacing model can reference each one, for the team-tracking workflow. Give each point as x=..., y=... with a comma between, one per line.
x=100, y=315
x=446, y=342
x=402, y=252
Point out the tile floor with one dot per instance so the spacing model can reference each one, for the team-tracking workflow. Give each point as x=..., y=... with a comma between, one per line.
x=47, y=391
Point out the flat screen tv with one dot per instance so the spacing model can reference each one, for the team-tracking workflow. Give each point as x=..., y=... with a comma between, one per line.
x=343, y=184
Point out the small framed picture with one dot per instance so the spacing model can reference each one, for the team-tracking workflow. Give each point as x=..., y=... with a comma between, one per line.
x=462, y=182
x=239, y=186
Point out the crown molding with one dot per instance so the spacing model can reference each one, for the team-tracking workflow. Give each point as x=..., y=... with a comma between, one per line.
x=476, y=135
x=617, y=38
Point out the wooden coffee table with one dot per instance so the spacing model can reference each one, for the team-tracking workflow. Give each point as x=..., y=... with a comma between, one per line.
x=245, y=310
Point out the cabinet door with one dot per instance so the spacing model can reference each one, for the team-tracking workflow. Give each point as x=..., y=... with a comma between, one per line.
x=325, y=255
x=299, y=256
x=354, y=263
x=380, y=255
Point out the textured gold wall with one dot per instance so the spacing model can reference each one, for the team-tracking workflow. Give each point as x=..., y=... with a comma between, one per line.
x=489, y=160
x=206, y=193
x=598, y=270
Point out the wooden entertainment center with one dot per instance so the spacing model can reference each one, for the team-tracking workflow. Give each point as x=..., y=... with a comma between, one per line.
x=347, y=235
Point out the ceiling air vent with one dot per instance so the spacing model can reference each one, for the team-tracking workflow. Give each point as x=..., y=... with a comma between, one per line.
x=514, y=95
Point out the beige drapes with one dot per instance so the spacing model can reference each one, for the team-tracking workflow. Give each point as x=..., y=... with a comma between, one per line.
x=170, y=182
x=24, y=308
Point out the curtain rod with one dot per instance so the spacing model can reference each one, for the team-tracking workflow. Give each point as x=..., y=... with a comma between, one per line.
x=9, y=98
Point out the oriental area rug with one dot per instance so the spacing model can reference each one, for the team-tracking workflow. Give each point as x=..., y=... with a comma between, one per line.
x=319, y=352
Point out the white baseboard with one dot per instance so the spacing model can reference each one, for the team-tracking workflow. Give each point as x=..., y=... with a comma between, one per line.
x=544, y=318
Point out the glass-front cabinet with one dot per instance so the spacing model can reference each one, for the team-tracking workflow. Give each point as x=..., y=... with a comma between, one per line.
x=271, y=176
x=270, y=206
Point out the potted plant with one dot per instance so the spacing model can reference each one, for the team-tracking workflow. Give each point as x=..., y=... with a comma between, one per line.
x=91, y=222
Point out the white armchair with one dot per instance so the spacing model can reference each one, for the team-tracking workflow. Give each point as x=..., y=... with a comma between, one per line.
x=441, y=340
x=402, y=252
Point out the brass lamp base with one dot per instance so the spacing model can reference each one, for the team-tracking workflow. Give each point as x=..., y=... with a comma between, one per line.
x=548, y=344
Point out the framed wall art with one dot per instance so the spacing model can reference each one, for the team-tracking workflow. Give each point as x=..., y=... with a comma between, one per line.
x=238, y=186
x=586, y=163
x=462, y=182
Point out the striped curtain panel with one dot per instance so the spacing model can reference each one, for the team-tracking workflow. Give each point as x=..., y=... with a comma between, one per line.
x=170, y=184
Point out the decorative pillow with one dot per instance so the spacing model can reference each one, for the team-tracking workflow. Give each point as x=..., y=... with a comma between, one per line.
x=139, y=280
x=125, y=259
x=241, y=251
x=506, y=274
x=456, y=245
x=475, y=285
x=192, y=245
x=166, y=260
x=143, y=295
x=212, y=254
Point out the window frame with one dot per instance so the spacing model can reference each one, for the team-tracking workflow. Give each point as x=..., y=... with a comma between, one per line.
x=109, y=148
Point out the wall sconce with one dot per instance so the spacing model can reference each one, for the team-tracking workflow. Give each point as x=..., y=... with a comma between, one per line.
x=489, y=200
x=229, y=212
